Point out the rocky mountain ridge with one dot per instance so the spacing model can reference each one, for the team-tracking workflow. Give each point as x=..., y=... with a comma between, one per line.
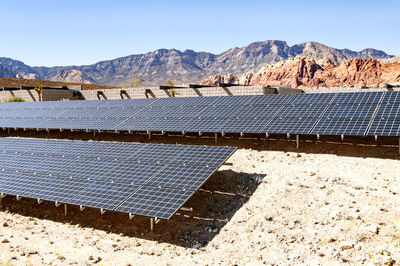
x=305, y=72
x=189, y=66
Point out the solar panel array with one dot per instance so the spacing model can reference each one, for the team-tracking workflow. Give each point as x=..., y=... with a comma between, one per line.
x=358, y=114
x=152, y=180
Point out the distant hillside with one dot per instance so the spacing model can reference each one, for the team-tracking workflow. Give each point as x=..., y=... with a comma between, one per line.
x=7, y=72
x=190, y=66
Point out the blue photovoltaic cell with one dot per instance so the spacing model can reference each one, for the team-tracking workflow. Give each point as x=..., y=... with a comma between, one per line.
x=155, y=201
x=350, y=111
x=344, y=126
x=22, y=184
x=184, y=177
x=205, y=124
x=62, y=189
x=269, y=99
x=357, y=98
x=245, y=125
x=312, y=99
x=103, y=195
x=290, y=125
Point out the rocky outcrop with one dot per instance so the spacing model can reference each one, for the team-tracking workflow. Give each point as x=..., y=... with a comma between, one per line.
x=191, y=67
x=23, y=75
x=72, y=75
x=305, y=72
x=216, y=79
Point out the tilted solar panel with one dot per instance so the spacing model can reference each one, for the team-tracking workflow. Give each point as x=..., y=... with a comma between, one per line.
x=271, y=113
x=108, y=175
x=387, y=118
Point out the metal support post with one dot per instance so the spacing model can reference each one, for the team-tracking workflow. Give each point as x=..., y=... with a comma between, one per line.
x=216, y=137
x=148, y=132
x=317, y=136
x=151, y=224
x=376, y=138
x=65, y=209
x=342, y=137
x=297, y=141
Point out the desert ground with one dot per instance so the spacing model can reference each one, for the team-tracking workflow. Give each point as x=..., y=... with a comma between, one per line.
x=327, y=203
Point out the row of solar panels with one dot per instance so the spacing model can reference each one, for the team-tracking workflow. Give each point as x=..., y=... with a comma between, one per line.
x=152, y=180
x=358, y=114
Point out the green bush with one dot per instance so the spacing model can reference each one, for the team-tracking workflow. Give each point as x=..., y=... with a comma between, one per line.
x=15, y=99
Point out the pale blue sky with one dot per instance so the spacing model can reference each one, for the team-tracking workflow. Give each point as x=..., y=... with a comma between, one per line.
x=72, y=32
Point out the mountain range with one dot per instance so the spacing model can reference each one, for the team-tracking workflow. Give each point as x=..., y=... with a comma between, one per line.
x=185, y=66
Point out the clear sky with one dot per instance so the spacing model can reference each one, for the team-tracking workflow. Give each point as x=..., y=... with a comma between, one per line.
x=76, y=32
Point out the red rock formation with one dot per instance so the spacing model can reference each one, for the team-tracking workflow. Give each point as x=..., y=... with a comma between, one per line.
x=214, y=80
x=304, y=72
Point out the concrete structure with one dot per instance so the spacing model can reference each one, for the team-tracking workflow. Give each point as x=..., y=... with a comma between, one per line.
x=30, y=95
x=156, y=92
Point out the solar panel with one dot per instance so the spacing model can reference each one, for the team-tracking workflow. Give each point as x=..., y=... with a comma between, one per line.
x=358, y=98
x=348, y=114
x=312, y=99
x=22, y=184
x=184, y=177
x=62, y=190
x=387, y=119
x=244, y=125
x=205, y=124
x=155, y=201
x=290, y=125
x=345, y=126
x=108, y=175
x=273, y=113
x=269, y=99
x=350, y=111
x=103, y=195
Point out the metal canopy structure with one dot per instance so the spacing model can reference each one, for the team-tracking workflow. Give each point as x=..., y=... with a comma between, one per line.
x=355, y=114
x=152, y=180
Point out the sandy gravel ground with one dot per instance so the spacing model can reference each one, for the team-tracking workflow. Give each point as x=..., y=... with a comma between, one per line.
x=327, y=203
